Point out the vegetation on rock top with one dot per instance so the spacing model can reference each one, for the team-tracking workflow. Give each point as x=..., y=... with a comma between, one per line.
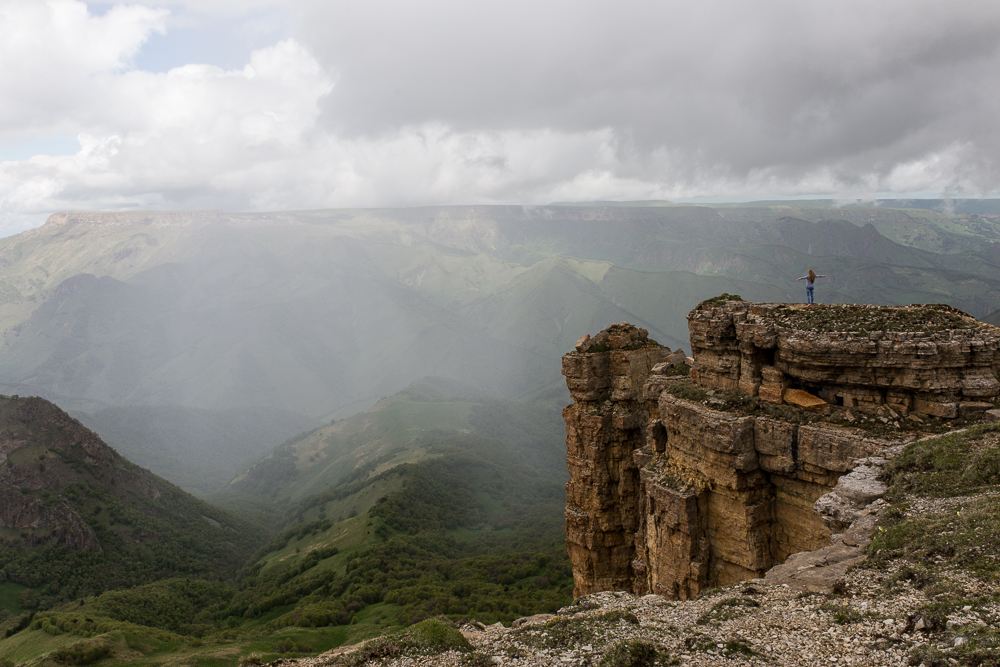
x=720, y=299
x=837, y=318
x=949, y=548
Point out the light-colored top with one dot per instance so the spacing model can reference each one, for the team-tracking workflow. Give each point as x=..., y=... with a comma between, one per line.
x=806, y=278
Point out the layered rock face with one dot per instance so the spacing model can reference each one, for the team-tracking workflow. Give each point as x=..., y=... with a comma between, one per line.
x=671, y=493
x=934, y=360
x=604, y=425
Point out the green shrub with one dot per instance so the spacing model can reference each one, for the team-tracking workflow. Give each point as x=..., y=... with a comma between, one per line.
x=688, y=391
x=251, y=660
x=22, y=622
x=630, y=653
x=82, y=653
x=722, y=298
x=952, y=465
x=434, y=636
x=616, y=616
x=286, y=645
x=728, y=609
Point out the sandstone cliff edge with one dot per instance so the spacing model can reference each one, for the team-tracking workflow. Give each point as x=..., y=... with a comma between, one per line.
x=689, y=473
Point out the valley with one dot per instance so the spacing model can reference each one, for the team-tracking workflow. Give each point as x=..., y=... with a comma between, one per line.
x=365, y=404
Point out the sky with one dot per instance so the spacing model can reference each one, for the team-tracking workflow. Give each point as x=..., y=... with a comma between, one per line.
x=253, y=105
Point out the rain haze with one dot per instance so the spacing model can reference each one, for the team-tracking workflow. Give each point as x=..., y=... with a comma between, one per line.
x=441, y=311
x=298, y=105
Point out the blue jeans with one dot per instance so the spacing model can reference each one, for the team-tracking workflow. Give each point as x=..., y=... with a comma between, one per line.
x=809, y=293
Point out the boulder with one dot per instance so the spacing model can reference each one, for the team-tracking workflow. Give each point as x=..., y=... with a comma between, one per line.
x=804, y=400
x=677, y=357
x=815, y=571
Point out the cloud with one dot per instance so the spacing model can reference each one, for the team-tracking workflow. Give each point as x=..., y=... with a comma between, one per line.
x=390, y=102
x=775, y=85
x=175, y=139
x=51, y=52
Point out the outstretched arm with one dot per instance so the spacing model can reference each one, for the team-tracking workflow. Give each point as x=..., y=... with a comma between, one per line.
x=802, y=278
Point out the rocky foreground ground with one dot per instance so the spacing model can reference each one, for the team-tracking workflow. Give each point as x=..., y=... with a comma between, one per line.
x=748, y=624
x=925, y=591
x=889, y=614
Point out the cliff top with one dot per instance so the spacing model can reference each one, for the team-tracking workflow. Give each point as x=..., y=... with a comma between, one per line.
x=622, y=336
x=864, y=318
x=849, y=318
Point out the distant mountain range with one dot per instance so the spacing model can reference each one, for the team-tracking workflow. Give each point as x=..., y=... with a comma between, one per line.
x=315, y=315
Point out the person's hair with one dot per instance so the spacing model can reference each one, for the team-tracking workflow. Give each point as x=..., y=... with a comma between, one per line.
x=812, y=275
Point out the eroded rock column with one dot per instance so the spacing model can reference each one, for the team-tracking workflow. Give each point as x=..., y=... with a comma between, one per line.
x=605, y=423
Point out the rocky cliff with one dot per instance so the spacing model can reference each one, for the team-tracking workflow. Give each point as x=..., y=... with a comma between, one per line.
x=680, y=483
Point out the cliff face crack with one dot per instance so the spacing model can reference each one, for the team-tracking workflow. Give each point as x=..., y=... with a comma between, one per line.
x=672, y=492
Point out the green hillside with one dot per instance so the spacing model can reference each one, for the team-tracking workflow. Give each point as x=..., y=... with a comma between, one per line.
x=434, y=502
x=468, y=483
x=79, y=519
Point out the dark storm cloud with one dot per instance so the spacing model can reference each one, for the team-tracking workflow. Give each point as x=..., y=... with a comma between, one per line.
x=854, y=87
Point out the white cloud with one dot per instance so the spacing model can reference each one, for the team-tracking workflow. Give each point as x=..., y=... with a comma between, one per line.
x=178, y=138
x=390, y=102
x=52, y=51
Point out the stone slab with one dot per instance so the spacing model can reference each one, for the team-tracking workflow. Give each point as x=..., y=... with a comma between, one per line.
x=805, y=400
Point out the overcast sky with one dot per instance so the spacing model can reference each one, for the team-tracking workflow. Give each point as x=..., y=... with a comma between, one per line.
x=264, y=105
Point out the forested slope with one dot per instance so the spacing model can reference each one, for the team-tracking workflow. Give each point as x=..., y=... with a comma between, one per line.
x=78, y=519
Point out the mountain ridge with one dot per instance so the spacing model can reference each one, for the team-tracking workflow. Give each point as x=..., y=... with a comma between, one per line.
x=324, y=312
x=78, y=518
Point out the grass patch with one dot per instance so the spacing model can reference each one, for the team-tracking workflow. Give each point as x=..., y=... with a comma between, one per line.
x=842, y=614
x=702, y=643
x=967, y=538
x=942, y=553
x=574, y=631
x=9, y=592
x=30, y=644
x=980, y=647
x=952, y=465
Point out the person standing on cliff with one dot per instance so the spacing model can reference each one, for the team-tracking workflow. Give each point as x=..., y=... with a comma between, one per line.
x=811, y=278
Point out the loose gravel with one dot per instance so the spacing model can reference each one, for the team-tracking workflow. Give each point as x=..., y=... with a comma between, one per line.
x=869, y=624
